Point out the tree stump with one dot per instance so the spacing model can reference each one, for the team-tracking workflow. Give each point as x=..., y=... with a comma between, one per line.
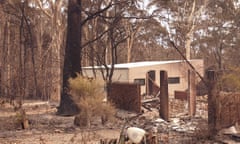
x=22, y=118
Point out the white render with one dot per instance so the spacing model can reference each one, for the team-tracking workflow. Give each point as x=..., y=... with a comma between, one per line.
x=127, y=72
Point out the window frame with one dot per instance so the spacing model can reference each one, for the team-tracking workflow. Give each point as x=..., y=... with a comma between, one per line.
x=173, y=80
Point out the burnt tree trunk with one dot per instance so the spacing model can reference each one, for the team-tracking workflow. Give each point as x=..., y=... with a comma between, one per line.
x=72, y=57
x=212, y=104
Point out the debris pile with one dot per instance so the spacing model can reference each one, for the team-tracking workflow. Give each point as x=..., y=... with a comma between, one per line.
x=180, y=127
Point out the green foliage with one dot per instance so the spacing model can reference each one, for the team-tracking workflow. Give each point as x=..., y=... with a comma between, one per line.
x=88, y=94
x=230, y=80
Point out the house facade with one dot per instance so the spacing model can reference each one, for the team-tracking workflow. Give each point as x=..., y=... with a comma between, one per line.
x=147, y=73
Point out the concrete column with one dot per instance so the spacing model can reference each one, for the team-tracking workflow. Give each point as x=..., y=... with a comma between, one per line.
x=212, y=118
x=191, y=93
x=164, y=102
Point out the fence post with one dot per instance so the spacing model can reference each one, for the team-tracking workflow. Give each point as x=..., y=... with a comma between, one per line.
x=164, y=102
x=212, y=105
x=191, y=93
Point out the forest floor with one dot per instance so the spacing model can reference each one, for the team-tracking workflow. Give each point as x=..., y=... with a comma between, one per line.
x=45, y=127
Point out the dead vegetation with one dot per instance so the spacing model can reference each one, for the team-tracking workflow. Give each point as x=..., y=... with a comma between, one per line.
x=99, y=122
x=89, y=97
x=21, y=119
x=46, y=127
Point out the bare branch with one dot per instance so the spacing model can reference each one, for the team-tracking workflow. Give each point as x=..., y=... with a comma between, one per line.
x=192, y=67
x=92, y=16
x=44, y=11
x=97, y=38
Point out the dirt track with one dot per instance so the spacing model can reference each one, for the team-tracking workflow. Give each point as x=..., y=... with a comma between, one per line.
x=47, y=128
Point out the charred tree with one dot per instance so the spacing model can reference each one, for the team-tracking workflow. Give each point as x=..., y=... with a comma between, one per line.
x=72, y=57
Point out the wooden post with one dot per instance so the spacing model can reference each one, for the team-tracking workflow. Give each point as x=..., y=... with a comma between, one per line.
x=147, y=84
x=191, y=93
x=212, y=119
x=164, y=108
x=0, y=79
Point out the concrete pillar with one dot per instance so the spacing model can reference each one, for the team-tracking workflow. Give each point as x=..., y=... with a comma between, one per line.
x=164, y=102
x=191, y=93
x=212, y=117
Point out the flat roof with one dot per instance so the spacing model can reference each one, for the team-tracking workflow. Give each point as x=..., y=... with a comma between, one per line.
x=140, y=64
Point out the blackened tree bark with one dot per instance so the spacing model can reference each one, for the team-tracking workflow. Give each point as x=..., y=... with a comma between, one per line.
x=72, y=57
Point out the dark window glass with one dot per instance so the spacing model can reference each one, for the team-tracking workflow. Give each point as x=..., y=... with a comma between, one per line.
x=139, y=81
x=173, y=80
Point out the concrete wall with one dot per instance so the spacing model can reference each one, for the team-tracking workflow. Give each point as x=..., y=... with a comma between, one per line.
x=176, y=69
x=119, y=75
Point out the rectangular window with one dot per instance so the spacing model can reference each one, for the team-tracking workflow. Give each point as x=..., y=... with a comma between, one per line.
x=174, y=80
x=139, y=81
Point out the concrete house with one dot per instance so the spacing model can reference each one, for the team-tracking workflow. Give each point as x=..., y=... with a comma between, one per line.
x=147, y=74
